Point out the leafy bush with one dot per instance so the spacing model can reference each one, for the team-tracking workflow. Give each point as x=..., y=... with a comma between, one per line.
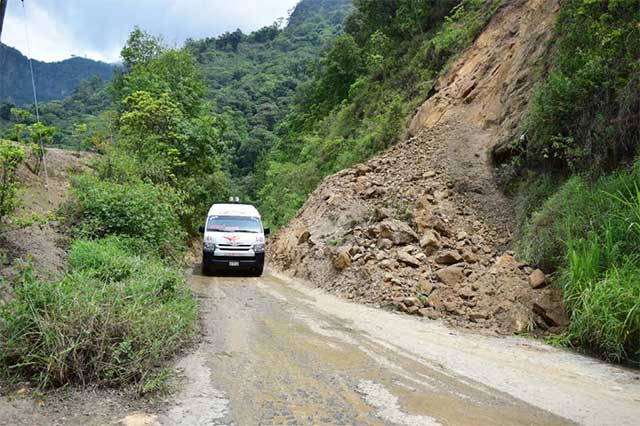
x=113, y=320
x=585, y=117
x=591, y=231
x=138, y=210
x=11, y=156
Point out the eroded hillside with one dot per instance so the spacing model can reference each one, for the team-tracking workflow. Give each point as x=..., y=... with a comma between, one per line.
x=423, y=227
x=37, y=236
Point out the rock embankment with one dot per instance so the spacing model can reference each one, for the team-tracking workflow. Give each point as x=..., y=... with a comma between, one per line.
x=396, y=232
x=423, y=227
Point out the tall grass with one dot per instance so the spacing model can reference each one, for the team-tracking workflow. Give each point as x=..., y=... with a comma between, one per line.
x=591, y=232
x=112, y=320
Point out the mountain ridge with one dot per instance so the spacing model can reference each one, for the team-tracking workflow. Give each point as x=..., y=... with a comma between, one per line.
x=54, y=80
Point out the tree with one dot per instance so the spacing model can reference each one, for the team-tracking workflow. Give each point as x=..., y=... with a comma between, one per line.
x=174, y=72
x=141, y=48
x=341, y=67
x=5, y=110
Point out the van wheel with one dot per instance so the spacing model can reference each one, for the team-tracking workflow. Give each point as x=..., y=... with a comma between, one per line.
x=206, y=270
x=258, y=271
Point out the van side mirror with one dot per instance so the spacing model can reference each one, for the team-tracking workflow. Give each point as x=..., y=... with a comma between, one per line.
x=201, y=229
x=267, y=231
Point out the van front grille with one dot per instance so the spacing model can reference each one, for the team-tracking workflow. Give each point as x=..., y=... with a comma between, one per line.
x=229, y=247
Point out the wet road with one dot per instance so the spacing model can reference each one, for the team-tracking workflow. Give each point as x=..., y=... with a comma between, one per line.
x=279, y=353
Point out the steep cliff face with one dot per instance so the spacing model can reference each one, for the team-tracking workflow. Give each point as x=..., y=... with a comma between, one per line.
x=423, y=227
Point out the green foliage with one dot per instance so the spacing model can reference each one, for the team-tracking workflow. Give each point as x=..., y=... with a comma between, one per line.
x=88, y=105
x=138, y=210
x=585, y=117
x=167, y=134
x=112, y=320
x=591, y=231
x=367, y=86
x=141, y=48
x=252, y=83
x=11, y=156
x=54, y=80
x=167, y=71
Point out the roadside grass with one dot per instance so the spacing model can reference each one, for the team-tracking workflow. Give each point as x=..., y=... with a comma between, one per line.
x=113, y=320
x=591, y=233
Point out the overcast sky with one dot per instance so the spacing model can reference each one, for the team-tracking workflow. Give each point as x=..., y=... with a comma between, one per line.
x=98, y=28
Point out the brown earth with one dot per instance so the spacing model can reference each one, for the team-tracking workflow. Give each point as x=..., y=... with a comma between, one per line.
x=43, y=242
x=423, y=227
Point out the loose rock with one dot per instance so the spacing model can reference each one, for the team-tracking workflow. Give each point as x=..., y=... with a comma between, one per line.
x=537, y=279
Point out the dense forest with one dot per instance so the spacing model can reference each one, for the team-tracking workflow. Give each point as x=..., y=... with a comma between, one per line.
x=252, y=79
x=55, y=80
x=267, y=115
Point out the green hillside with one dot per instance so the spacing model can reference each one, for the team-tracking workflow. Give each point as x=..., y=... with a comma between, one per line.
x=252, y=78
x=55, y=80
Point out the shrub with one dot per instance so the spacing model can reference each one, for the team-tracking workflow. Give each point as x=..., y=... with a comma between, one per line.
x=113, y=320
x=11, y=156
x=137, y=209
x=585, y=117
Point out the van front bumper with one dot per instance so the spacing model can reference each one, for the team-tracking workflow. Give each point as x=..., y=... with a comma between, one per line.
x=217, y=260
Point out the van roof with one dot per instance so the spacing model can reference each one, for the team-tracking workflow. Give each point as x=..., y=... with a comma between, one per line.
x=233, y=210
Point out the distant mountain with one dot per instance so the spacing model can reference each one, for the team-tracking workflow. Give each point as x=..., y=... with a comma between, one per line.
x=54, y=80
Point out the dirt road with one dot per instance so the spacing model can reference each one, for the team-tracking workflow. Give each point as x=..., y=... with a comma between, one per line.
x=276, y=352
x=279, y=353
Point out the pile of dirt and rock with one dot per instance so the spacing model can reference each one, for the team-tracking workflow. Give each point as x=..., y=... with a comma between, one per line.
x=423, y=227
x=37, y=236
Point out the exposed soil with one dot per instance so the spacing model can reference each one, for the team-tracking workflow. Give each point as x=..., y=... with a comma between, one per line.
x=423, y=227
x=42, y=244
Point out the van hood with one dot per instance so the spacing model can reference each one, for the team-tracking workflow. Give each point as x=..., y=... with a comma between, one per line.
x=233, y=238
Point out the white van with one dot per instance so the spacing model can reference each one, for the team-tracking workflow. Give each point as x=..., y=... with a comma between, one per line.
x=233, y=239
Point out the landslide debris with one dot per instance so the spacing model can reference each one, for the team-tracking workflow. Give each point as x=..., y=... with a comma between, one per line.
x=423, y=227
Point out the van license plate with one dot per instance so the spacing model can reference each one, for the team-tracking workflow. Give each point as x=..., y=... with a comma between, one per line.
x=234, y=263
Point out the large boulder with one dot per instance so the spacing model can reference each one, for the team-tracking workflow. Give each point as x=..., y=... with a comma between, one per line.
x=448, y=257
x=408, y=259
x=430, y=241
x=451, y=275
x=342, y=258
x=398, y=232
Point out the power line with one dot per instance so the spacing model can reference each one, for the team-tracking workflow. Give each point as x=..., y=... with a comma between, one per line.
x=35, y=99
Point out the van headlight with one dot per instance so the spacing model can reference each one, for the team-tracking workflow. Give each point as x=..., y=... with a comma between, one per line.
x=258, y=248
x=209, y=246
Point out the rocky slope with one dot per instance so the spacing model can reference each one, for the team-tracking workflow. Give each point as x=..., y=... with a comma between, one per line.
x=423, y=227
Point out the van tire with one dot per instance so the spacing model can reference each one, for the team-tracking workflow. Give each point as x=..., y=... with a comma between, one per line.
x=206, y=270
x=258, y=271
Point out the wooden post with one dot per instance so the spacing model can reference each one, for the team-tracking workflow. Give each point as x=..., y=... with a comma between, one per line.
x=3, y=8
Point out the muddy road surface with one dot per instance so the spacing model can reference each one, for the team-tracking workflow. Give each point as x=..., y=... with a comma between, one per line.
x=277, y=352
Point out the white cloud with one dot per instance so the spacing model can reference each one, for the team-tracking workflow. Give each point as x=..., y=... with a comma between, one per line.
x=98, y=29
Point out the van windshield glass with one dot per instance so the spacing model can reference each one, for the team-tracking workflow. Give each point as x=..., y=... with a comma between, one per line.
x=234, y=224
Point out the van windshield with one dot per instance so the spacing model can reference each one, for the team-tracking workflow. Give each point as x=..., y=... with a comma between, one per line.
x=234, y=224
